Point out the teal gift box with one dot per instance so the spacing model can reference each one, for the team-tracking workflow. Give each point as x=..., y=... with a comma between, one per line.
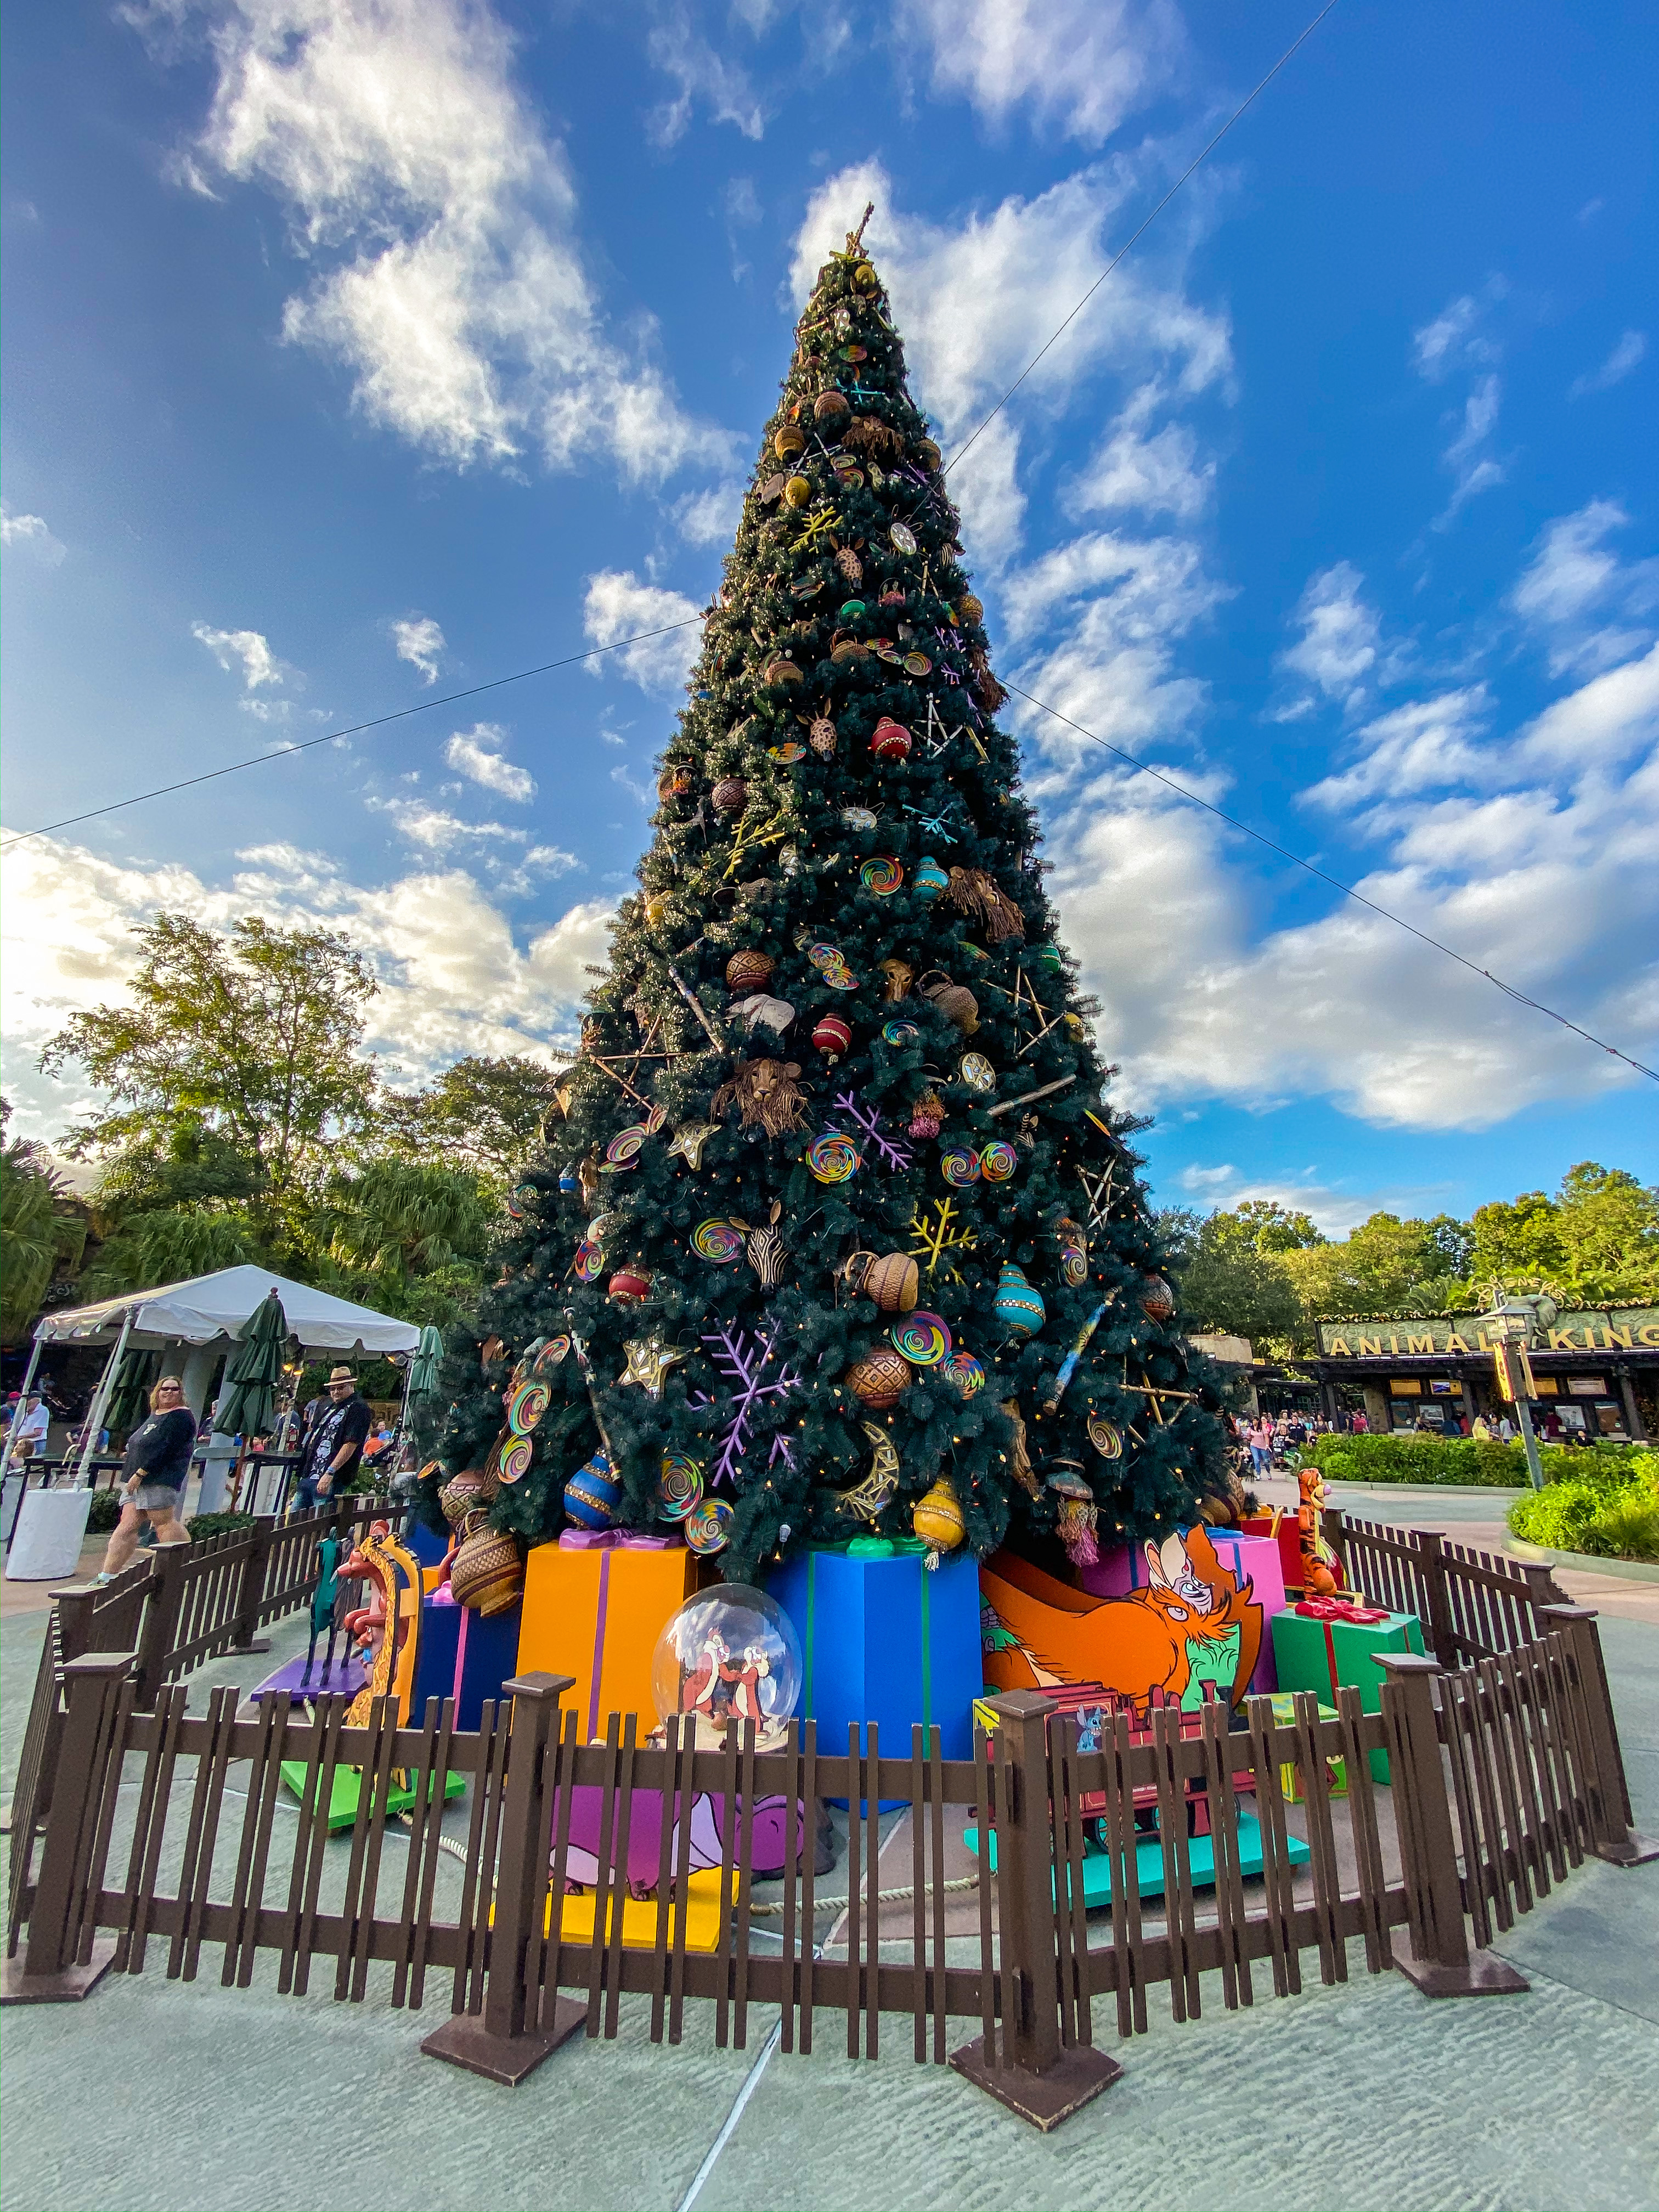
x=889, y=1640
x=1316, y=1654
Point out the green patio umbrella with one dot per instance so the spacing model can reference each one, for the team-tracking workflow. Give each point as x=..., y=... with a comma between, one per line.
x=423, y=1368
x=251, y=1378
x=128, y=1401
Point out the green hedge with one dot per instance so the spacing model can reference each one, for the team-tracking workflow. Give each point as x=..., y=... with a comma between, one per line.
x=1471, y=1461
x=1607, y=1506
x=201, y=1525
x=104, y=1512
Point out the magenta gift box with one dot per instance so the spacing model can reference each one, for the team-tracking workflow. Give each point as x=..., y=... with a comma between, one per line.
x=1252, y=1559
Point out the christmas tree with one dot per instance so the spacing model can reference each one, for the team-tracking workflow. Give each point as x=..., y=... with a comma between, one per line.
x=837, y=1234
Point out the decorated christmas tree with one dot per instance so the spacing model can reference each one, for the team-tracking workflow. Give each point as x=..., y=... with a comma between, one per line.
x=837, y=1234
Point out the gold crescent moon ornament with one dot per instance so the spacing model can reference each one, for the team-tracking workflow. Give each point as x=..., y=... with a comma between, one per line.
x=866, y=1499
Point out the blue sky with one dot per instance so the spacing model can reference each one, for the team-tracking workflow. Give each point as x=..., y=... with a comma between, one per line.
x=357, y=353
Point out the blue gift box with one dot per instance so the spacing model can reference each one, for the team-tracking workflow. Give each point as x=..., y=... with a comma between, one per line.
x=429, y=1546
x=490, y=1658
x=889, y=1640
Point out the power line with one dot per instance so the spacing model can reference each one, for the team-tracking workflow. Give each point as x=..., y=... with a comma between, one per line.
x=1143, y=767
x=352, y=729
x=1197, y=162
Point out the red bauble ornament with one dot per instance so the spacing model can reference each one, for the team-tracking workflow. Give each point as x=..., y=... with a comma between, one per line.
x=832, y=1034
x=891, y=741
x=629, y=1283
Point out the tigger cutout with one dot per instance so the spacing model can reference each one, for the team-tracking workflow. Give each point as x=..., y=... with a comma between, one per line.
x=1195, y=1622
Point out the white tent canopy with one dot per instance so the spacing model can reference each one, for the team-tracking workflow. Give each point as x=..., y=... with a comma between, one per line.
x=220, y=1305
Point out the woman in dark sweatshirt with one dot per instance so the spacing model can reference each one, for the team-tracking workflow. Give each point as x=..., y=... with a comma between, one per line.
x=157, y=1461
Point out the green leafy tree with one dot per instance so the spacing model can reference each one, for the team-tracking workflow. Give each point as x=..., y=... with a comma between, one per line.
x=1231, y=1285
x=1384, y=1266
x=1596, y=1241
x=484, y=1115
x=253, y=1040
x=1272, y=1227
x=407, y=1237
x=40, y=1234
x=842, y=958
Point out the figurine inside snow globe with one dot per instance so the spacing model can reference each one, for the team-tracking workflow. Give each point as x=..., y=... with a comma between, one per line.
x=729, y=1654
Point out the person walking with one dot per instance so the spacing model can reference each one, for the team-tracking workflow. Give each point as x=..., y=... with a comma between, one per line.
x=153, y=1469
x=1260, y=1436
x=335, y=1444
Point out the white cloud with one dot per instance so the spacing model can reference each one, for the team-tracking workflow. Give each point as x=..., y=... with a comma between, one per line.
x=453, y=977
x=419, y=640
x=1455, y=339
x=1629, y=353
x=1159, y=473
x=1423, y=746
x=1114, y=608
x=701, y=76
x=27, y=533
x=1474, y=469
x=710, y=517
x=975, y=302
x=476, y=753
x=619, y=605
x=443, y=224
x=1079, y=66
x=260, y=665
x=437, y=828
x=1341, y=634
x=1591, y=608
x=1533, y=857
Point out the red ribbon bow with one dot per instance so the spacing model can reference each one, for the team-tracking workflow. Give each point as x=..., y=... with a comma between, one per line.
x=1342, y=1608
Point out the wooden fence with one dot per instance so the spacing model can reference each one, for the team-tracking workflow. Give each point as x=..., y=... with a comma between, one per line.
x=1500, y=1781
x=174, y=1609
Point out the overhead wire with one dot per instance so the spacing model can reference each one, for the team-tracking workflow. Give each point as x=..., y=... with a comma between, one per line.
x=1140, y=767
x=351, y=729
x=1145, y=768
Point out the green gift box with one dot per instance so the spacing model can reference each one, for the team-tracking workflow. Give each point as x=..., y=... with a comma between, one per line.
x=1318, y=1654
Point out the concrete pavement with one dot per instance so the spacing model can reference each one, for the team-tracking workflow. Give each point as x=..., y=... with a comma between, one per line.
x=157, y=2095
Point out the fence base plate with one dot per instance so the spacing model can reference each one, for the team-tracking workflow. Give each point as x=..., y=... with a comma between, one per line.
x=1485, y=1975
x=1045, y=2099
x=67, y=1987
x=465, y=2041
x=1633, y=1850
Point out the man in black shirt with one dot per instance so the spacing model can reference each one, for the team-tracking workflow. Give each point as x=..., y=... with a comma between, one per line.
x=335, y=1443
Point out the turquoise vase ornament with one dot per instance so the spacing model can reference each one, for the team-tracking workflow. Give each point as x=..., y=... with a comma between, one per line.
x=1019, y=1308
x=929, y=879
x=592, y=1495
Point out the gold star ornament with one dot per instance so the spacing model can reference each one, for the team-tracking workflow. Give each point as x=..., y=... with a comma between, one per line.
x=689, y=1140
x=648, y=1361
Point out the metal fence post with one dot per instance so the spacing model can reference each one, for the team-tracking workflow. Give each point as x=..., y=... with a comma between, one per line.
x=245, y=1637
x=58, y=1966
x=507, y=2041
x=1041, y=2078
x=1442, y=1963
x=1615, y=1839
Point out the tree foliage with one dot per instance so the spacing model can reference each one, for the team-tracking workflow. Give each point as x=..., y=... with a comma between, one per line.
x=485, y=1115
x=1596, y=1241
x=805, y=876
x=252, y=1041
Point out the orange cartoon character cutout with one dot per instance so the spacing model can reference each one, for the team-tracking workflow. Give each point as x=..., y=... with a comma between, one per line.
x=1194, y=1624
x=1321, y=1572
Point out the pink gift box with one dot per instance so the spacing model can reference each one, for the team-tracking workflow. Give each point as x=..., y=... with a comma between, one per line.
x=1254, y=1559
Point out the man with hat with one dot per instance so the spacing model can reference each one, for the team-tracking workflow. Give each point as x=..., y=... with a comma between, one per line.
x=335, y=1443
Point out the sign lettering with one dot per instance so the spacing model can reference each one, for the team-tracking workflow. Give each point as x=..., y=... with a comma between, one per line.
x=1622, y=1329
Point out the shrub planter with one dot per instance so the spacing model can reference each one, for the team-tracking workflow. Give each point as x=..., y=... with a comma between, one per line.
x=1536, y=1555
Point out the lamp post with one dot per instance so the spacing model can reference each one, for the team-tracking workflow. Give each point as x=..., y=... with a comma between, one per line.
x=1514, y=1326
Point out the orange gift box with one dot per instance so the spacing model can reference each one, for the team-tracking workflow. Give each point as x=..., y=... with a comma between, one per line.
x=597, y=1614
